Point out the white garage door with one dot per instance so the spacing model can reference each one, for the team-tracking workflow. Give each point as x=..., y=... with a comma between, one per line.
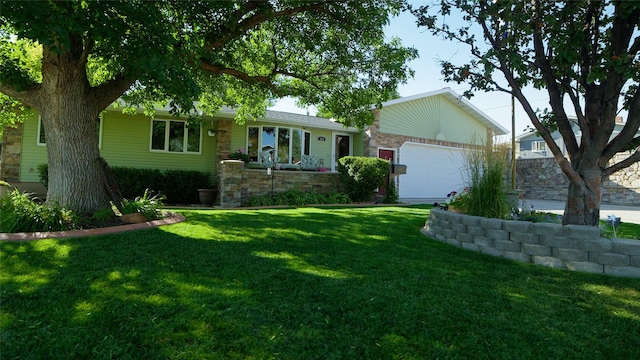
x=432, y=171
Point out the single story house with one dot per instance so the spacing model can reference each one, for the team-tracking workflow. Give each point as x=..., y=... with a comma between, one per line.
x=426, y=132
x=165, y=142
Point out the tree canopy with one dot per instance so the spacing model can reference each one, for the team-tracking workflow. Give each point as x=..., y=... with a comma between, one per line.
x=243, y=54
x=583, y=53
x=238, y=53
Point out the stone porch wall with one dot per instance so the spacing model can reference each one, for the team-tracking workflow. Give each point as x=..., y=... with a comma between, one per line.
x=572, y=247
x=542, y=179
x=236, y=184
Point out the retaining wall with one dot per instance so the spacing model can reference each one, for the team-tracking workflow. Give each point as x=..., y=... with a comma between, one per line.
x=542, y=179
x=572, y=247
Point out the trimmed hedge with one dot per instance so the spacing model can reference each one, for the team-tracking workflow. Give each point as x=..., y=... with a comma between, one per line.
x=178, y=186
x=362, y=175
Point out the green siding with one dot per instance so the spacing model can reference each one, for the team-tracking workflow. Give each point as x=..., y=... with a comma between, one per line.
x=31, y=154
x=239, y=135
x=418, y=118
x=322, y=149
x=458, y=126
x=428, y=117
x=125, y=142
x=358, y=144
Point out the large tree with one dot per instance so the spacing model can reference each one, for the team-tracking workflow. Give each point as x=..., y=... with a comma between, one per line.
x=236, y=53
x=583, y=53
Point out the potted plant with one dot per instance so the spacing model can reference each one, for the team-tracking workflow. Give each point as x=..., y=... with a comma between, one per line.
x=239, y=155
x=207, y=196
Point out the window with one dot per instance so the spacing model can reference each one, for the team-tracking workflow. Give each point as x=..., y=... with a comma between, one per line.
x=539, y=146
x=175, y=136
x=289, y=143
x=42, y=137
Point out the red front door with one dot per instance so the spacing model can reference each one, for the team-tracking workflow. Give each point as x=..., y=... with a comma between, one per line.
x=387, y=155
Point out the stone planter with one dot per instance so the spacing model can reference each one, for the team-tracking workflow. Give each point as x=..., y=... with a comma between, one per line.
x=207, y=196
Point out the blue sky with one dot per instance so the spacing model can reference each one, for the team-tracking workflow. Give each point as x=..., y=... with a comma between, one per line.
x=496, y=105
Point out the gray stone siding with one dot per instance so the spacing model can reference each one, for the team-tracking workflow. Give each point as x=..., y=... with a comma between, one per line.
x=11, y=146
x=237, y=184
x=572, y=247
x=542, y=179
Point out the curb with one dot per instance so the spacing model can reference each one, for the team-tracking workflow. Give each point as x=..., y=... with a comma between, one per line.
x=23, y=237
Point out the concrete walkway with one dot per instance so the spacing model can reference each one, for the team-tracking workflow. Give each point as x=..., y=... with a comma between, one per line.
x=625, y=213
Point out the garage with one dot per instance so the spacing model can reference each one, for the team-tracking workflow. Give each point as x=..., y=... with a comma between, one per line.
x=432, y=171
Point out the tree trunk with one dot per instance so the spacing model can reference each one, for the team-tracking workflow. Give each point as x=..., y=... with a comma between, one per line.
x=70, y=121
x=583, y=202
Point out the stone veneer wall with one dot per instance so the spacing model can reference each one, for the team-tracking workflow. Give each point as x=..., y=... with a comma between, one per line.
x=11, y=145
x=236, y=184
x=223, y=139
x=542, y=179
x=572, y=247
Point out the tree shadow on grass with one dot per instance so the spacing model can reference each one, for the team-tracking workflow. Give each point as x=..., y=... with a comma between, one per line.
x=311, y=284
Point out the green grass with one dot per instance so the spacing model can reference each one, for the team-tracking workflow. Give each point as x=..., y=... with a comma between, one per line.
x=309, y=283
x=624, y=231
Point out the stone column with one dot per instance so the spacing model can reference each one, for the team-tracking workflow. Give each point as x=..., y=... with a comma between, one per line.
x=223, y=139
x=11, y=146
x=230, y=181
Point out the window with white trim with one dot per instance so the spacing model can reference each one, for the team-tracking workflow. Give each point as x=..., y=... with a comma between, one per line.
x=175, y=136
x=539, y=146
x=289, y=144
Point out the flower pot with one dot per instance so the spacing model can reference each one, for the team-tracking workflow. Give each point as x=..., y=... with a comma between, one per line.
x=207, y=196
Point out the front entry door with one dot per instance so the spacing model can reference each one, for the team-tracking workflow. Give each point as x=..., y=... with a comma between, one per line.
x=387, y=155
x=342, y=147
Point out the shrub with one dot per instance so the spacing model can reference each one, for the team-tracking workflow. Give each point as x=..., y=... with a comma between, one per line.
x=362, y=175
x=43, y=173
x=178, y=186
x=239, y=155
x=104, y=215
x=19, y=213
x=390, y=193
x=181, y=186
x=296, y=198
x=134, y=182
x=147, y=205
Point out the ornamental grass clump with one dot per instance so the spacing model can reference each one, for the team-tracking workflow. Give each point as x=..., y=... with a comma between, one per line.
x=486, y=190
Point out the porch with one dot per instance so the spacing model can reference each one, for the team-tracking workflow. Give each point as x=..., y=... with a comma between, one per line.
x=237, y=183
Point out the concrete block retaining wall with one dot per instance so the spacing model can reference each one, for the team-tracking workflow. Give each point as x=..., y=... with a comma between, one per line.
x=573, y=247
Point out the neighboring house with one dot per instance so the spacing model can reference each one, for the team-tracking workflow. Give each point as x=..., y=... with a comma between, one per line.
x=532, y=146
x=428, y=133
x=165, y=142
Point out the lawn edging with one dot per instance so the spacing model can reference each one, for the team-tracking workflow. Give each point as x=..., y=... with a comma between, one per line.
x=30, y=236
x=572, y=247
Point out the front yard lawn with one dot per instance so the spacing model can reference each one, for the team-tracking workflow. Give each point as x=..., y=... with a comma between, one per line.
x=308, y=283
